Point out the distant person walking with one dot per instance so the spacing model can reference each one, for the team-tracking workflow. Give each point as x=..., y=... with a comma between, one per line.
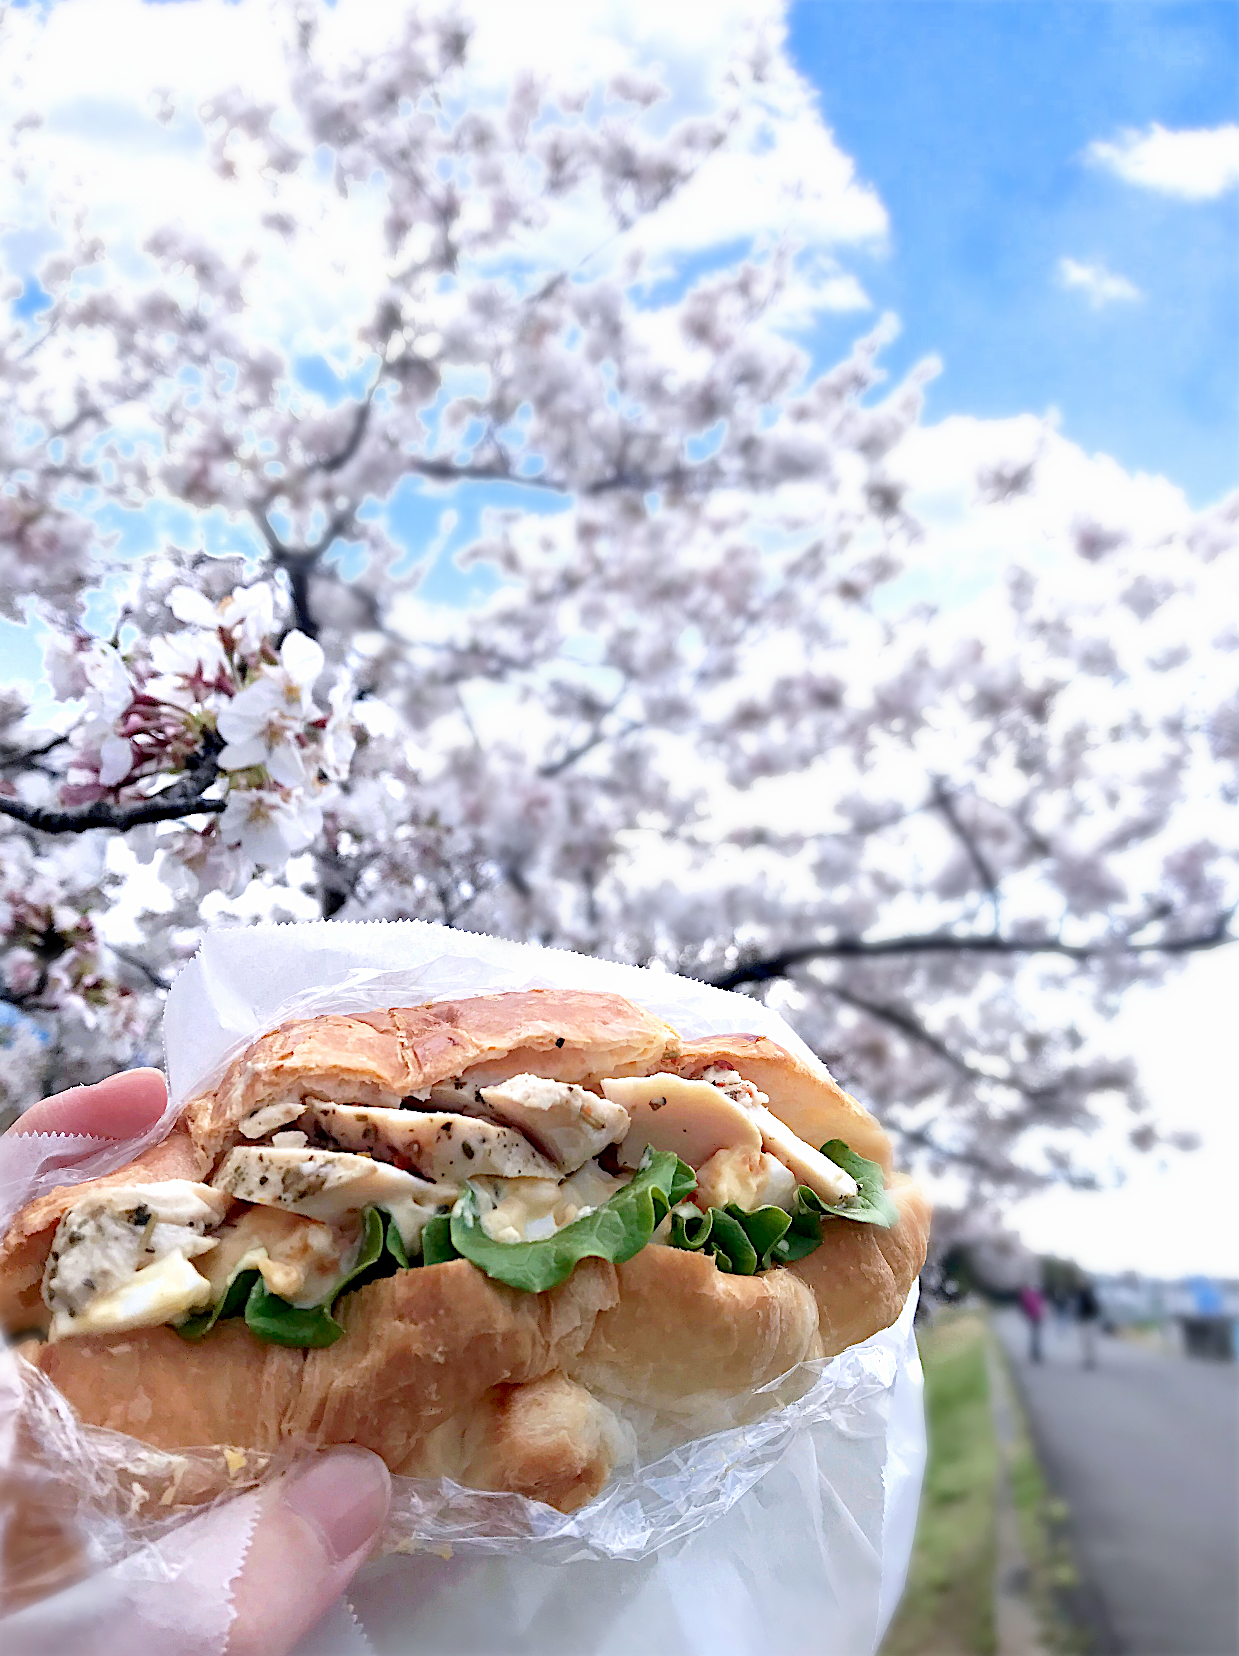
x=1032, y=1304
x=1088, y=1315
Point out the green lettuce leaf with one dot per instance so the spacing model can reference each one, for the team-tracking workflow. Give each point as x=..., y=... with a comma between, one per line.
x=729, y=1244
x=871, y=1205
x=231, y=1303
x=740, y=1241
x=744, y=1242
x=804, y=1235
x=274, y=1319
x=395, y=1245
x=765, y=1228
x=437, y=1244
x=617, y=1230
x=683, y=1183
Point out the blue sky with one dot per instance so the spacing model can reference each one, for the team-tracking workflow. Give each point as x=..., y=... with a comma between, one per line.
x=971, y=118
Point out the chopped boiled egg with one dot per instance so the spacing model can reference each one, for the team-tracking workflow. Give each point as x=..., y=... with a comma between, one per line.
x=164, y=1292
x=750, y=1178
x=530, y=1210
x=113, y=1232
x=299, y=1259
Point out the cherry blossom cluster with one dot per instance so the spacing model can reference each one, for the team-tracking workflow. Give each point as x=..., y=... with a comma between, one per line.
x=54, y=961
x=693, y=711
x=224, y=695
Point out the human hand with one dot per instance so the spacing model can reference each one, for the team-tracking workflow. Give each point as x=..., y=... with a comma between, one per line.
x=251, y=1576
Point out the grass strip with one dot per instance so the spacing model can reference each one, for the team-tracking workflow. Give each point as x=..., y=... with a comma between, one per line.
x=948, y=1605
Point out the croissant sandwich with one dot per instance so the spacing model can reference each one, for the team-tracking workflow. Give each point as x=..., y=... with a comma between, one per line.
x=463, y=1235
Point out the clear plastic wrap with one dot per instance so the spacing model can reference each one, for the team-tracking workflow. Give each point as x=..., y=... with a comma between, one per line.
x=793, y=1517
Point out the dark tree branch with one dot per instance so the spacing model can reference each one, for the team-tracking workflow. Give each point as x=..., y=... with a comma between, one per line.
x=946, y=804
x=342, y=456
x=1006, y=1172
x=299, y=566
x=15, y=759
x=154, y=978
x=276, y=547
x=184, y=798
x=765, y=968
x=924, y=1140
x=451, y=471
x=556, y=767
x=587, y=744
x=907, y=1024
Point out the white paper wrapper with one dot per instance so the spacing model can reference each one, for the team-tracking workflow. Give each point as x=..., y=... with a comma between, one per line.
x=798, y=1524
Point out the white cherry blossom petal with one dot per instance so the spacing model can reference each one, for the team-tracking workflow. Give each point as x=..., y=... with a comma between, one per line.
x=285, y=765
x=115, y=761
x=301, y=824
x=65, y=666
x=250, y=611
x=241, y=755
x=109, y=687
x=192, y=607
x=302, y=659
x=248, y=712
x=252, y=822
x=188, y=654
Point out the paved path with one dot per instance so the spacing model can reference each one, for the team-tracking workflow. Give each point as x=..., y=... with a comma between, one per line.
x=1145, y=1451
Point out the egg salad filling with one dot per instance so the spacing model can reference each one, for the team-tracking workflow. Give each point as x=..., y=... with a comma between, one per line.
x=524, y=1179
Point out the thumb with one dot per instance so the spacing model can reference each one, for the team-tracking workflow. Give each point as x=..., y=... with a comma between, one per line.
x=315, y=1530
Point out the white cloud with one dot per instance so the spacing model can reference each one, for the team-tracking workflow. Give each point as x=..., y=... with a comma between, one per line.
x=1101, y=286
x=1197, y=165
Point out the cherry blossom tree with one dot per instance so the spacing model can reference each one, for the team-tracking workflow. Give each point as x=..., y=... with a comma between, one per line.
x=675, y=698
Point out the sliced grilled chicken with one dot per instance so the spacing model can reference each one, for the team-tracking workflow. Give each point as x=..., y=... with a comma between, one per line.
x=690, y=1117
x=328, y=1184
x=811, y=1168
x=567, y=1123
x=436, y=1146
x=271, y=1116
x=696, y=1119
x=166, y=1291
x=111, y=1234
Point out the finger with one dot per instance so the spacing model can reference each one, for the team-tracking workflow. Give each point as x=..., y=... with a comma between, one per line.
x=317, y=1527
x=120, y=1107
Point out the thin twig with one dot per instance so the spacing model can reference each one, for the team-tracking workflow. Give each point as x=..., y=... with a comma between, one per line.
x=184, y=798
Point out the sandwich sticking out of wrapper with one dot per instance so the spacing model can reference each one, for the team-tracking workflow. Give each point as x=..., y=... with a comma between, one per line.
x=464, y=1234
